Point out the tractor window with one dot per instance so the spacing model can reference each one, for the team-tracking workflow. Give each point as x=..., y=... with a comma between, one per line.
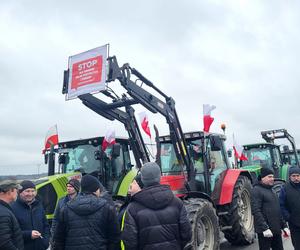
x=217, y=165
x=82, y=157
x=277, y=159
x=258, y=156
x=169, y=162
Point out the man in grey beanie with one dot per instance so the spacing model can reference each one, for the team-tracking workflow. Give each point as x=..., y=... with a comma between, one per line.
x=290, y=206
x=155, y=218
x=150, y=174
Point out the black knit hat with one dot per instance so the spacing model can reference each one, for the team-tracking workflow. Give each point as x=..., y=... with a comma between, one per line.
x=150, y=174
x=89, y=184
x=265, y=171
x=294, y=170
x=75, y=184
x=138, y=179
x=26, y=184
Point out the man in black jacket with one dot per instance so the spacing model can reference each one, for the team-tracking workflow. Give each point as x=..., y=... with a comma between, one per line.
x=10, y=232
x=155, y=219
x=290, y=205
x=88, y=222
x=31, y=216
x=268, y=221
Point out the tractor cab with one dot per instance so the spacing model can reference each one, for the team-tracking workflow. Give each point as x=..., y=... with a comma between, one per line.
x=288, y=156
x=262, y=155
x=209, y=158
x=86, y=156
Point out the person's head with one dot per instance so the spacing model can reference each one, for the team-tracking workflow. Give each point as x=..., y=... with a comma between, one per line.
x=196, y=152
x=136, y=185
x=212, y=163
x=90, y=185
x=150, y=174
x=28, y=192
x=267, y=176
x=8, y=190
x=294, y=174
x=73, y=186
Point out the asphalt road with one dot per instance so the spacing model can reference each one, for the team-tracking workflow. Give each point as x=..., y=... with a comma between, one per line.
x=287, y=245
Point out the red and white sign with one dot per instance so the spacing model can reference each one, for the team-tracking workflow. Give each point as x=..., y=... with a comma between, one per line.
x=87, y=72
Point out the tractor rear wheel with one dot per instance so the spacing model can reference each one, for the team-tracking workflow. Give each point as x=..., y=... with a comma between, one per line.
x=205, y=225
x=236, y=218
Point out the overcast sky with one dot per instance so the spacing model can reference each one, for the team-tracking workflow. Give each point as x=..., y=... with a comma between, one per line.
x=241, y=56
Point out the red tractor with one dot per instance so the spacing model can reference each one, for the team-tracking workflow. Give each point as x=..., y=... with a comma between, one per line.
x=194, y=164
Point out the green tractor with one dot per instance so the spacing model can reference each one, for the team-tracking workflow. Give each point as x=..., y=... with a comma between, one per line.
x=269, y=155
x=85, y=156
x=289, y=155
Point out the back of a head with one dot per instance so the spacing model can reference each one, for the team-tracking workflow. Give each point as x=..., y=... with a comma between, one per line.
x=89, y=184
x=150, y=174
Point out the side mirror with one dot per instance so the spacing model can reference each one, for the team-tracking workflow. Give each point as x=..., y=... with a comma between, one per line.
x=98, y=155
x=62, y=159
x=229, y=153
x=286, y=148
x=116, y=149
x=216, y=143
x=46, y=158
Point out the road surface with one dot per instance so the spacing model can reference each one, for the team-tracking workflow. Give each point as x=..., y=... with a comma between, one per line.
x=287, y=245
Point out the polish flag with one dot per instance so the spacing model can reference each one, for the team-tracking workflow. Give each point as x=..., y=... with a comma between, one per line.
x=51, y=138
x=238, y=151
x=207, y=119
x=109, y=139
x=145, y=123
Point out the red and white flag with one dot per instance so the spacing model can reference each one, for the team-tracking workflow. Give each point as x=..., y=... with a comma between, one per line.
x=207, y=119
x=109, y=139
x=145, y=123
x=51, y=138
x=238, y=151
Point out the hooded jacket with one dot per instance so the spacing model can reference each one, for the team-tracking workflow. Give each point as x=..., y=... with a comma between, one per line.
x=156, y=219
x=88, y=222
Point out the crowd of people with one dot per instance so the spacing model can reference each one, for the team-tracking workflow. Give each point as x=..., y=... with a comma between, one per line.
x=86, y=217
x=273, y=215
x=152, y=218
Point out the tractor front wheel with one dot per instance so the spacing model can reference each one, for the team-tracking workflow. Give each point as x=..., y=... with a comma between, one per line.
x=205, y=225
x=236, y=218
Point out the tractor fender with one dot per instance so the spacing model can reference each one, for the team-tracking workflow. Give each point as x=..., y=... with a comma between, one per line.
x=228, y=184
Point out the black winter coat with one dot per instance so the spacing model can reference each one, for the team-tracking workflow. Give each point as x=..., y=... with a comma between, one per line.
x=156, y=219
x=88, y=222
x=32, y=218
x=266, y=209
x=10, y=232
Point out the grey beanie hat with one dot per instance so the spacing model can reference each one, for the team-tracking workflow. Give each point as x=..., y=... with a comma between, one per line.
x=294, y=170
x=150, y=174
